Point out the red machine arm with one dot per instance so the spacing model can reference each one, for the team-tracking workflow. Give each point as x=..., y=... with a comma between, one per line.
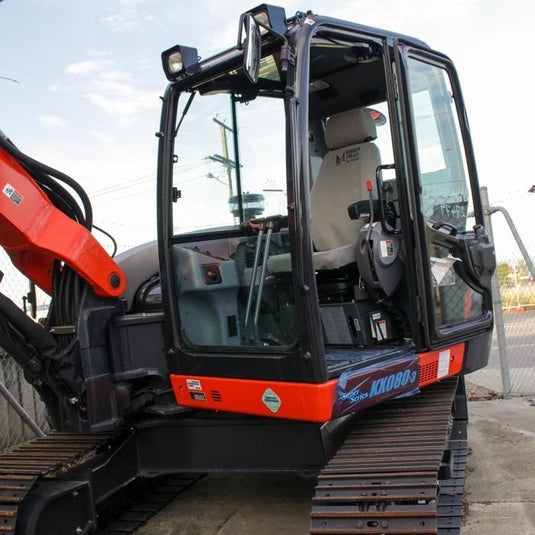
x=35, y=234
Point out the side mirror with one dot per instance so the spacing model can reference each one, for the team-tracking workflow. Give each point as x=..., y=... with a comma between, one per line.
x=252, y=46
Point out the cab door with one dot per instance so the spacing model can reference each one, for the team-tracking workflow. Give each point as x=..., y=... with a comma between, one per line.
x=455, y=258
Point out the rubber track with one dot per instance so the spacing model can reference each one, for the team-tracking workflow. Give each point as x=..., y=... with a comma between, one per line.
x=46, y=457
x=140, y=503
x=384, y=479
x=54, y=455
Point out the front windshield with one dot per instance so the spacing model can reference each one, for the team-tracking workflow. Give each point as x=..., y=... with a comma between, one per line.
x=218, y=160
x=231, y=256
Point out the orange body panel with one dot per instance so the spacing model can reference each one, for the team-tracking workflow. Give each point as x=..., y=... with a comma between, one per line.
x=440, y=364
x=296, y=401
x=35, y=233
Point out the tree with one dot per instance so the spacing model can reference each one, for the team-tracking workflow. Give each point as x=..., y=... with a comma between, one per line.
x=504, y=269
x=522, y=270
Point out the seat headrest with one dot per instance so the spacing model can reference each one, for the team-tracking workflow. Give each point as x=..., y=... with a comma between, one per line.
x=349, y=128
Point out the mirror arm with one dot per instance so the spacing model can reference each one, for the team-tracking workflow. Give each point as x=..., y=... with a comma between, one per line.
x=286, y=55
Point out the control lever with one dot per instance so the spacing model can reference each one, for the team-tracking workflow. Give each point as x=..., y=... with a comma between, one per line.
x=261, y=227
x=270, y=224
x=369, y=187
x=362, y=208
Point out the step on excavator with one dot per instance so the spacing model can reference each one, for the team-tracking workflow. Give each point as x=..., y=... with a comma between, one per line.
x=319, y=288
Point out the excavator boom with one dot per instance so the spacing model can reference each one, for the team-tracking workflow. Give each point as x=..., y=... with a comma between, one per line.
x=36, y=234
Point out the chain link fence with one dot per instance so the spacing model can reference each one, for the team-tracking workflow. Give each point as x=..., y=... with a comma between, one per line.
x=517, y=292
x=13, y=428
x=15, y=392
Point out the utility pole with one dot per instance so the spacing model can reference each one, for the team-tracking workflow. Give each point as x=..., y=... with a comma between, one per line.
x=225, y=159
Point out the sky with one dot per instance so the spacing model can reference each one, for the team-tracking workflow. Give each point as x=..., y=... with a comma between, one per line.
x=89, y=77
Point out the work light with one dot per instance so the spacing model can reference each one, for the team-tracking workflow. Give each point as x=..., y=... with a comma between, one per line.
x=179, y=60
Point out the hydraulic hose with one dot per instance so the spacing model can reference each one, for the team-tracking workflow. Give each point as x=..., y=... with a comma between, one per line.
x=67, y=285
x=39, y=171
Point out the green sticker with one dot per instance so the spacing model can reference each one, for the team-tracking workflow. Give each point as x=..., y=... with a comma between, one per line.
x=271, y=400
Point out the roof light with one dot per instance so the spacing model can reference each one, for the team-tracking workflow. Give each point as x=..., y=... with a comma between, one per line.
x=174, y=63
x=179, y=60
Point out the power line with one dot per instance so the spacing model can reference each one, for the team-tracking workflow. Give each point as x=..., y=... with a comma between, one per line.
x=9, y=79
x=127, y=196
x=120, y=186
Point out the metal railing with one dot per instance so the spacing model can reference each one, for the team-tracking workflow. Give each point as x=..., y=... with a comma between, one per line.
x=22, y=413
x=511, y=369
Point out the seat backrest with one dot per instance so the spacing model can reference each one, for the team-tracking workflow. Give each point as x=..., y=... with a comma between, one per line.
x=351, y=160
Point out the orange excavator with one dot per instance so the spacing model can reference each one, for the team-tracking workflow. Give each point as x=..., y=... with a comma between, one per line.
x=319, y=287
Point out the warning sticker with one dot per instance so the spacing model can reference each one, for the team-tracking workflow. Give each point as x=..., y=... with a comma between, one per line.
x=193, y=384
x=443, y=363
x=271, y=400
x=10, y=192
x=379, y=330
x=387, y=248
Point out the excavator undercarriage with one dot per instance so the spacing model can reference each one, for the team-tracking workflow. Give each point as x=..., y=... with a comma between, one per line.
x=400, y=468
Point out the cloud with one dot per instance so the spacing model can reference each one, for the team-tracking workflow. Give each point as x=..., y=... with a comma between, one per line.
x=115, y=91
x=84, y=67
x=52, y=121
x=128, y=103
x=95, y=53
x=126, y=16
x=114, y=76
x=102, y=137
x=125, y=20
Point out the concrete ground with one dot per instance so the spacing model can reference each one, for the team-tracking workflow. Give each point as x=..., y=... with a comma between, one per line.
x=500, y=487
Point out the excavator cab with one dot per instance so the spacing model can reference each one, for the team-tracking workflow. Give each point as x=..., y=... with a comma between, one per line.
x=319, y=211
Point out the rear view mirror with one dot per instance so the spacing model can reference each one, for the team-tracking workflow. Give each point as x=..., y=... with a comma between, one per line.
x=252, y=46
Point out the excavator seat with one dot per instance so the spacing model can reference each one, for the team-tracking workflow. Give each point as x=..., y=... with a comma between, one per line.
x=351, y=160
